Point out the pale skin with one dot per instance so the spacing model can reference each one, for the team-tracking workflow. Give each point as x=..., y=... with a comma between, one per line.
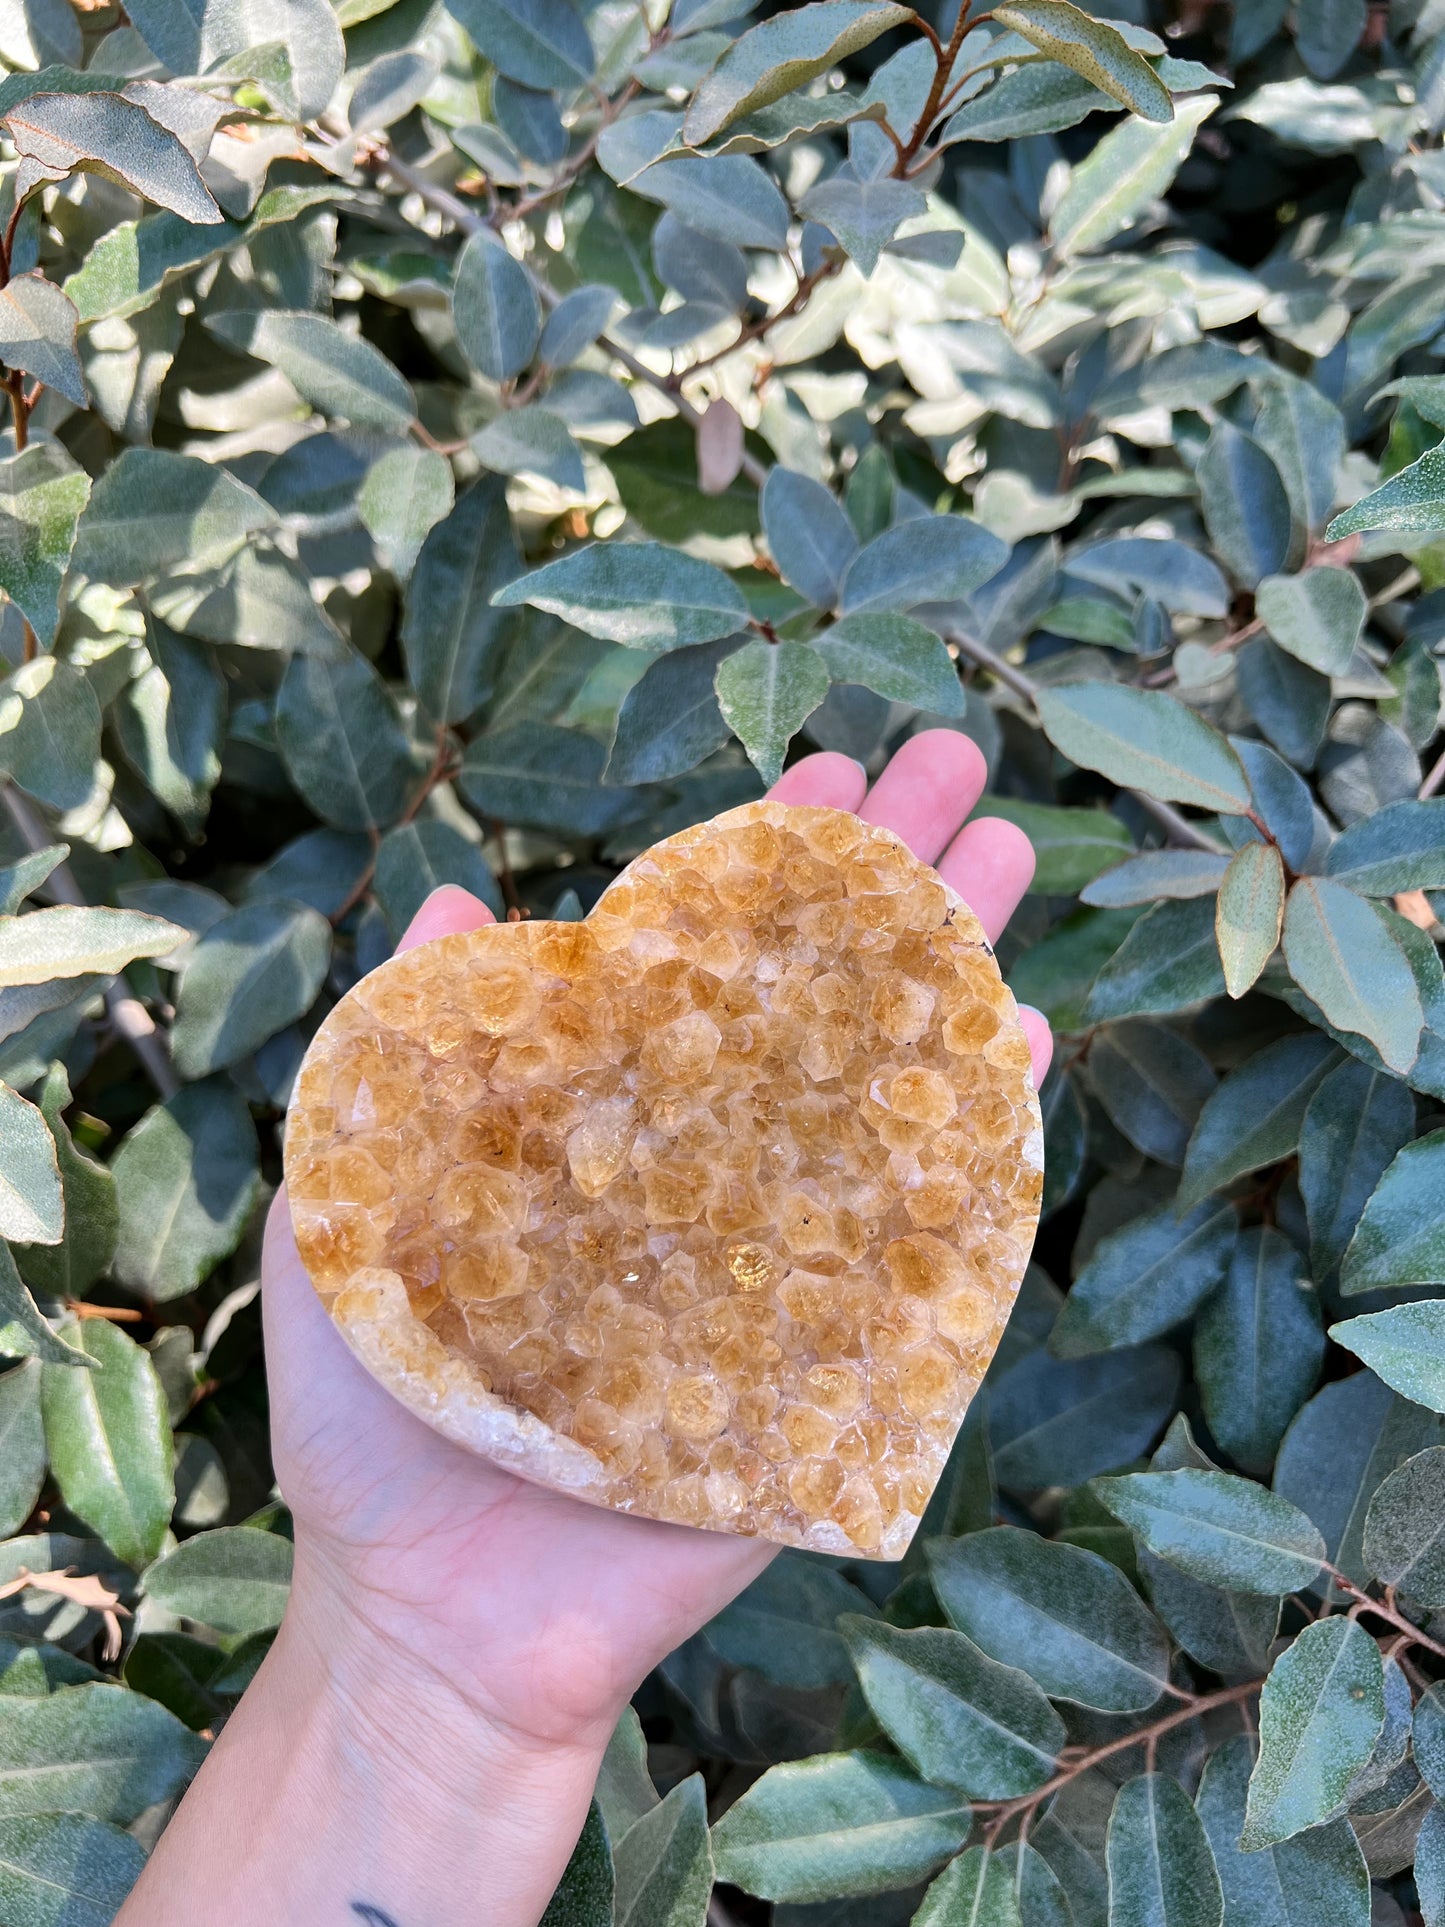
x=421, y=1744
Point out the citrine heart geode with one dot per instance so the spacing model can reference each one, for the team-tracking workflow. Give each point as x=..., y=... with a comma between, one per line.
x=710, y=1208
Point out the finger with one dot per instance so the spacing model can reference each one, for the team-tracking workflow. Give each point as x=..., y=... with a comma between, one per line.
x=1041, y=1040
x=445, y=912
x=927, y=790
x=990, y=863
x=827, y=781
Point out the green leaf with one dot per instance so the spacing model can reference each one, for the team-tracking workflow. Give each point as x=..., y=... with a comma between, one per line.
x=1245, y=505
x=766, y=692
x=543, y=776
x=1145, y=740
x=894, y=656
x=153, y=509
x=1348, y=962
x=1282, y=801
x=933, y=558
x=810, y=536
x=37, y=335
x=664, y=1862
x=405, y=494
x=575, y=323
x=1071, y=847
x=337, y=372
x=170, y=721
x=1405, y=1346
x=1256, y=1115
x=1357, y=1120
x=976, y=1889
x=23, y=1331
x=22, y=1448
x=863, y=215
x=496, y=309
x=451, y=632
x=1401, y=847
x=109, y=1439
x=730, y=198
x=1099, y=53
x=31, y=1206
x=541, y=43
x=782, y=1625
x=50, y=732
x=1350, y=1436
x=584, y=1894
x=235, y=1581
x=20, y=879
x=1153, y=1083
x=1318, y=616
x=1057, y=1421
x=640, y=594
x=670, y=719
x=110, y=135
x=1161, y=1871
x=186, y=1178
x=1258, y=1348
x=1143, y=1279
x=1412, y=501
x=1320, y=1714
x=1057, y=1612
x=1290, y=703
x=258, y=598
x=177, y=1670
x=844, y=1823
x=65, y=1869
x=782, y=55
x=92, y=1749
x=1404, y=1529
x=1229, y=1632
x=531, y=441
x=1127, y=170
x=1168, y=961
x=293, y=48
x=418, y=857
x=1429, y=1868
x=1036, y=99
x=1249, y=914
x=343, y=743
x=1157, y=874
x=1219, y=1529
x=1317, y=1879
x=1400, y=1239
x=250, y=975
x=959, y=1717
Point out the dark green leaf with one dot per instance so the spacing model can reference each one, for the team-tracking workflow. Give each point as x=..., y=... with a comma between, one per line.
x=250, y=975
x=50, y=732
x=1400, y=848
x=1067, y=1618
x=1412, y=500
x=1320, y=1714
x=22, y=1447
x=547, y=777
x=1071, y=847
x=1055, y=1421
x=731, y=198
x=782, y=55
x=421, y=856
x=1145, y=740
x=1357, y=1120
x=1399, y=1239
x=811, y=539
x=1161, y=1870
x=1404, y=1527
x=153, y=509
x=933, y=558
x=1258, y=1347
x=1168, y=961
x=585, y=1893
x=844, y=1823
x=186, y=1179
x=111, y=135
x=962, y=1719
x=1153, y=1083
x=1155, y=874
x=65, y=1869
x=640, y=594
x=1099, y=53
x=541, y=43
x=670, y=718
x=496, y=310
x=338, y=373
x=783, y=1624
x=1290, y=703
x=664, y=1862
x=1256, y=1115
x=31, y=1205
x=1246, y=509
x=1219, y=1529
x=1316, y=1879
x=1145, y=1278
x=977, y=1888
x=23, y=1332
x=451, y=631
x=1318, y=616
x=37, y=336
x=342, y=741
x=863, y=215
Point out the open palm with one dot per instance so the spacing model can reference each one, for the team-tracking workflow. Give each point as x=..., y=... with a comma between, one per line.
x=545, y=1610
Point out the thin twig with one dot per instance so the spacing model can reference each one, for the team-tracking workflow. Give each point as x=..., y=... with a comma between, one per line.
x=1436, y=777
x=129, y=1016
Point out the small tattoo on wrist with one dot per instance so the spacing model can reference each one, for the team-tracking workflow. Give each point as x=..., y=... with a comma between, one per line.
x=371, y=1916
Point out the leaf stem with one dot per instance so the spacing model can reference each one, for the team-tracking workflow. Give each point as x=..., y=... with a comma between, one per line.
x=944, y=58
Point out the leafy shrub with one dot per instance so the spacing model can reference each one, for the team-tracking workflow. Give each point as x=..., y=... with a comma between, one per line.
x=1060, y=382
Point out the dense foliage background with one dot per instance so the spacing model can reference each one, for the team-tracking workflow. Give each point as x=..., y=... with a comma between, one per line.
x=906, y=369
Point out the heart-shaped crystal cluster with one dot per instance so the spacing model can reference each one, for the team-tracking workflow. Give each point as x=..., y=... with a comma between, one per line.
x=711, y=1207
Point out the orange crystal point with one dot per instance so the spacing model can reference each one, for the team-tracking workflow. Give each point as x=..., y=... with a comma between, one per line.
x=710, y=1208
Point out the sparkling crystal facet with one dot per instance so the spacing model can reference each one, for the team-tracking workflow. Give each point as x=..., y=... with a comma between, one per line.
x=711, y=1207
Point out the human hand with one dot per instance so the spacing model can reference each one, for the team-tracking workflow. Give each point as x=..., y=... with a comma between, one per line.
x=541, y=1612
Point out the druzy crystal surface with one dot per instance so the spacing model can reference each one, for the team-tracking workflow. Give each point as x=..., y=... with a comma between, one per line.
x=710, y=1208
